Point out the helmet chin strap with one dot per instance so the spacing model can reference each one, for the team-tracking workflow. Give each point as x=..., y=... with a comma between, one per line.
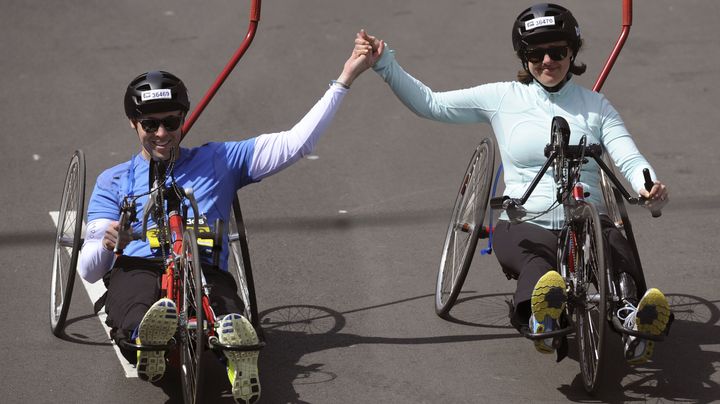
x=556, y=87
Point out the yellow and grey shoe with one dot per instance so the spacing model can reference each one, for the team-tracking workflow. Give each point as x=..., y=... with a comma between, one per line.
x=242, y=368
x=547, y=305
x=156, y=328
x=651, y=317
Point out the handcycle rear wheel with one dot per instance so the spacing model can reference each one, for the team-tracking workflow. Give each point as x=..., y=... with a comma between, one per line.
x=68, y=240
x=192, y=329
x=617, y=211
x=589, y=292
x=465, y=227
x=239, y=265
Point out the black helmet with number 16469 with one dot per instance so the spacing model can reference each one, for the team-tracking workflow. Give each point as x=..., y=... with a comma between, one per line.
x=155, y=91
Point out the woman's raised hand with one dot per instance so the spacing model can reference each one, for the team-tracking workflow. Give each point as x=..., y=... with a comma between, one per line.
x=369, y=46
x=366, y=52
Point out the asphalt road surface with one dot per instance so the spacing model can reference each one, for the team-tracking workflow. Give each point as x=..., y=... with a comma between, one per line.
x=351, y=240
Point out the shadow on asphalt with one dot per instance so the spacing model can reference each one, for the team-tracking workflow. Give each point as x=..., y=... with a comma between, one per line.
x=84, y=330
x=295, y=331
x=680, y=371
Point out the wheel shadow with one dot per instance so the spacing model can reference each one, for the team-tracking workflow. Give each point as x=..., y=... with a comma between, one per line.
x=295, y=331
x=83, y=330
x=494, y=308
x=292, y=332
x=680, y=370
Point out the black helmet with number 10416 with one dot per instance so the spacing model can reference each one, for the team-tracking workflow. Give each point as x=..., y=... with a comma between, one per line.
x=544, y=23
x=155, y=91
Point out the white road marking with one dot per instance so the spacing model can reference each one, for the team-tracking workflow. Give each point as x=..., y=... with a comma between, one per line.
x=94, y=291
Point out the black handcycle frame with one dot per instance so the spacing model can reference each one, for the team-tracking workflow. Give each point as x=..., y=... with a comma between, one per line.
x=593, y=297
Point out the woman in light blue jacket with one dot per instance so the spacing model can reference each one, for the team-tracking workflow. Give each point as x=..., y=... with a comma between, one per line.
x=547, y=39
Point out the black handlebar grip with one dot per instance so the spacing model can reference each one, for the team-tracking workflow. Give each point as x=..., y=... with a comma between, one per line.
x=123, y=221
x=497, y=202
x=648, y=186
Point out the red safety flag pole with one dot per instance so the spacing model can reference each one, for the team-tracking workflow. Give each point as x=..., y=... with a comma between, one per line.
x=626, y=23
x=252, y=28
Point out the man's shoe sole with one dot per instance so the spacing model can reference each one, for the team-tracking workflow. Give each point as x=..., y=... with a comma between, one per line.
x=236, y=330
x=156, y=328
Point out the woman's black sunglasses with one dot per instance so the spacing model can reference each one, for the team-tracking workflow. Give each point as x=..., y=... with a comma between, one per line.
x=170, y=123
x=536, y=55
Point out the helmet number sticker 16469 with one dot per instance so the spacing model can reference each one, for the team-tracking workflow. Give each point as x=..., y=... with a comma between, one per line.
x=162, y=94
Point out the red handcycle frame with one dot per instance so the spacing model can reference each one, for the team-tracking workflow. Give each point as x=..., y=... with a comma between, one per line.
x=68, y=238
x=182, y=279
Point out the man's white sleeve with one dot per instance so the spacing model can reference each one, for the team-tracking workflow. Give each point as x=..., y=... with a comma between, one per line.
x=275, y=151
x=94, y=259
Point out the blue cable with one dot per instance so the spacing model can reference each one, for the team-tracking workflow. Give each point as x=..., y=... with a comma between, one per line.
x=488, y=250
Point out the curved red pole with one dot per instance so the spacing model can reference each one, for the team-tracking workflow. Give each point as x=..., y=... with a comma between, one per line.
x=252, y=28
x=626, y=23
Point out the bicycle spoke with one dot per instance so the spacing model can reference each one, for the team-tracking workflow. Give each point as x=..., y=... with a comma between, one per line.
x=67, y=242
x=591, y=290
x=194, y=326
x=465, y=223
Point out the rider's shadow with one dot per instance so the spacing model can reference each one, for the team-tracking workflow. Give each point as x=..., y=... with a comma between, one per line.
x=292, y=332
x=295, y=331
x=680, y=370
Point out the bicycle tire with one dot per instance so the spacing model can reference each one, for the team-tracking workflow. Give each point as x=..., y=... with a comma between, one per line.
x=463, y=232
x=559, y=138
x=68, y=240
x=590, y=293
x=616, y=210
x=192, y=332
x=240, y=267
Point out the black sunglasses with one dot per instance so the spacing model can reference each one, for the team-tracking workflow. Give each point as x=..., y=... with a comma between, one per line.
x=170, y=123
x=536, y=55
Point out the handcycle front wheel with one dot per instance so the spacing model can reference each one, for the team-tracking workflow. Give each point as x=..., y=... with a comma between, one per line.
x=240, y=267
x=192, y=324
x=590, y=291
x=465, y=227
x=68, y=240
